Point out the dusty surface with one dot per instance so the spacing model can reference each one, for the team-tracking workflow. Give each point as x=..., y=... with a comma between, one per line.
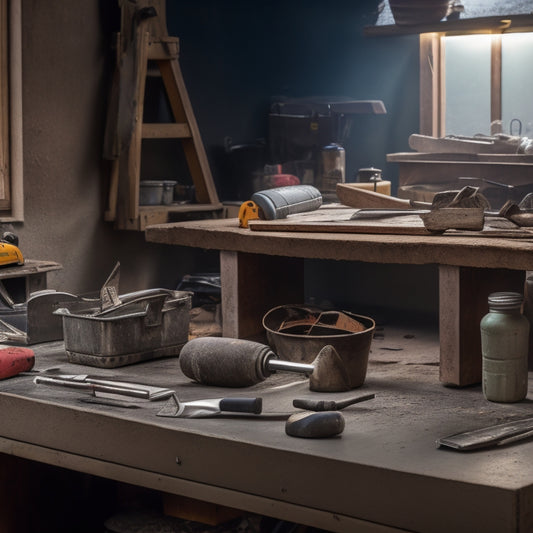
x=382, y=468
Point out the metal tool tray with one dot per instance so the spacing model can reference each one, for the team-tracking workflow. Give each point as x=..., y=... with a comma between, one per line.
x=145, y=325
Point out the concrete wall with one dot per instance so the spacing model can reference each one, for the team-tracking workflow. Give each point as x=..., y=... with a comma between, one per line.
x=66, y=56
x=235, y=57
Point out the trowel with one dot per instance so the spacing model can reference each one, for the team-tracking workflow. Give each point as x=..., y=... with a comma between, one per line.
x=173, y=408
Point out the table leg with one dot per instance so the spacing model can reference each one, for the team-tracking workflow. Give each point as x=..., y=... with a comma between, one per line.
x=463, y=293
x=254, y=283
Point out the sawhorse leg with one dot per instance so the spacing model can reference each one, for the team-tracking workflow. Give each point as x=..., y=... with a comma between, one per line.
x=254, y=283
x=463, y=293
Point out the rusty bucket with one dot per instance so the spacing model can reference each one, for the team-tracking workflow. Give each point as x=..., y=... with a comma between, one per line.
x=298, y=333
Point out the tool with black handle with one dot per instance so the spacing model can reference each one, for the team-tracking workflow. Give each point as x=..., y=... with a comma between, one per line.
x=329, y=405
x=174, y=408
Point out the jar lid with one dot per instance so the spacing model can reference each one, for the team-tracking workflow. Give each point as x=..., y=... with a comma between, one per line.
x=333, y=147
x=370, y=174
x=505, y=300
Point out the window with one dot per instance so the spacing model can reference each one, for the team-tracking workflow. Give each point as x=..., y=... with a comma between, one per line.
x=11, y=193
x=474, y=84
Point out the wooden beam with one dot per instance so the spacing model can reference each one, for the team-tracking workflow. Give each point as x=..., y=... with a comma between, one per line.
x=169, y=130
x=193, y=147
x=4, y=102
x=496, y=84
x=251, y=285
x=431, y=85
x=463, y=294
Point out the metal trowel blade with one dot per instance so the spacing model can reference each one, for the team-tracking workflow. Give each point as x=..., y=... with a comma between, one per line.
x=171, y=408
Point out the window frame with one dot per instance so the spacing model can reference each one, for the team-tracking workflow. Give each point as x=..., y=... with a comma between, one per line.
x=11, y=168
x=432, y=81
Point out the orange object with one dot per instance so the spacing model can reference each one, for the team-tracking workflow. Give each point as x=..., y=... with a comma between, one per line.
x=248, y=211
x=14, y=360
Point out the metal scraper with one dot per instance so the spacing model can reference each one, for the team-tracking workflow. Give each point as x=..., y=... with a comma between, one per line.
x=173, y=408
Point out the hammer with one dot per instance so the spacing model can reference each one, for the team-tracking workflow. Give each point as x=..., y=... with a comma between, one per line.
x=228, y=362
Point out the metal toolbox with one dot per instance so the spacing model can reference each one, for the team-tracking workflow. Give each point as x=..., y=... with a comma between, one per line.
x=144, y=325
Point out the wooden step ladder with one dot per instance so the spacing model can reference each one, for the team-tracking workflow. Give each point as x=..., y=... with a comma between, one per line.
x=143, y=38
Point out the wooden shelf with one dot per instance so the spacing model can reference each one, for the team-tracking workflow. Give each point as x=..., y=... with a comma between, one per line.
x=496, y=24
x=161, y=214
x=143, y=46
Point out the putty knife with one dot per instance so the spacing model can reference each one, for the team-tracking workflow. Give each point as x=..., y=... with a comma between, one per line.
x=497, y=435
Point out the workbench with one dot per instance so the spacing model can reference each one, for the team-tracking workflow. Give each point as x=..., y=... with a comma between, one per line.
x=384, y=473
x=262, y=269
x=21, y=280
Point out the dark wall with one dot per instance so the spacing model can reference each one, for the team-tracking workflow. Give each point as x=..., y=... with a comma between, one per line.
x=238, y=56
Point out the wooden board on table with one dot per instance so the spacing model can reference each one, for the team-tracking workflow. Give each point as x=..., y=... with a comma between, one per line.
x=338, y=220
x=475, y=145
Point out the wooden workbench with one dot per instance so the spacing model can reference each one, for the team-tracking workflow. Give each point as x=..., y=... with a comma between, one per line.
x=21, y=280
x=262, y=269
x=383, y=474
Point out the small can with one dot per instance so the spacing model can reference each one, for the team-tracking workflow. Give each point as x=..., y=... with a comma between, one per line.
x=333, y=163
x=504, y=347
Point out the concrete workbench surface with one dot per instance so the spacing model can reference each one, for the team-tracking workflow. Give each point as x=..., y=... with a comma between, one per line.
x=225, y=234
x=383, y=472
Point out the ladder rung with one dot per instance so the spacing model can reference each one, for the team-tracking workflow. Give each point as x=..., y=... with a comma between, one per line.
x=163, y=50
x=171, y=130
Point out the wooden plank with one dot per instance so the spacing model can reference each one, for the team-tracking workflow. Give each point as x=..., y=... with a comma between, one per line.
x=166, y=131
x=463, y=294
x=339, y=221
x=431, y=85
x=461, y=26
x=496, y=84
x=193, y=147
x=129, y=125
x=451, y=144
x=111, y=212
x=15, y=103
x=167, y=48
x=414, y=172
x=4, y=101
x=496, y=159
x=351, y=195
x=254, y=283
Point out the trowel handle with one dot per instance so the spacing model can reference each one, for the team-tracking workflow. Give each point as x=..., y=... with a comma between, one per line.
x=242, y=405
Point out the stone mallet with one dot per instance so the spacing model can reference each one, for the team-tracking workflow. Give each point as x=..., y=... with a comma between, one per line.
x=228, y=362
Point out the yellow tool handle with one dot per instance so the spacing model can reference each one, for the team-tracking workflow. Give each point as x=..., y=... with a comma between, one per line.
x=248, y=211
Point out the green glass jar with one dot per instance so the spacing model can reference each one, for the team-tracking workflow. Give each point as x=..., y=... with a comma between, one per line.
x=504, y=345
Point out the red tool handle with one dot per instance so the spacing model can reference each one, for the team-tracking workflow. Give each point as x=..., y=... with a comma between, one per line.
x=14, y=360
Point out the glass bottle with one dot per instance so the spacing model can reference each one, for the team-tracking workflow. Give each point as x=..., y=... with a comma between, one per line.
x=333, y=163
x=504, y=346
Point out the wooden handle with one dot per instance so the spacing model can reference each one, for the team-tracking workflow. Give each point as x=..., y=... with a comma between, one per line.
x=353, y=196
